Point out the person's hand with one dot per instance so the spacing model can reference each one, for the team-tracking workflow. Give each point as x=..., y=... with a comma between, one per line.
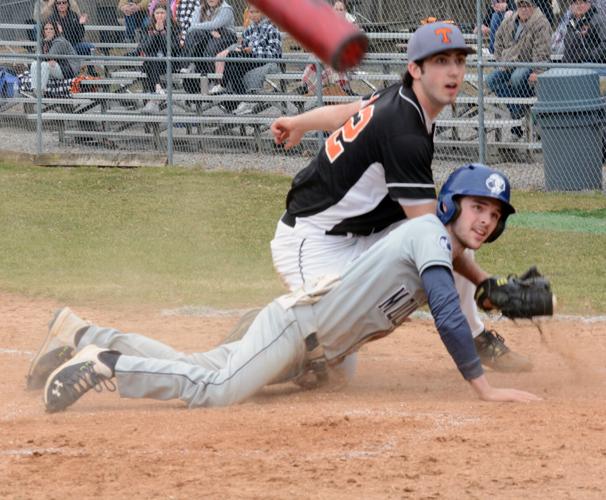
x=500, y=6
x=215, y=34
x=247, y=50
x=496, y=395
x=485, y=30
x=52, y=64
x=83, y=19
x=59, y=28
x=285, y=132
x=493, y=394
x=532, y=79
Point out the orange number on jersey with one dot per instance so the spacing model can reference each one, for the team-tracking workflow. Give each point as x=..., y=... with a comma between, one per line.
x=333, y=146
x=348, y=132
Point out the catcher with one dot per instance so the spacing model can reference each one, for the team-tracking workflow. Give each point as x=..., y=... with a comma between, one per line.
x=304, y=335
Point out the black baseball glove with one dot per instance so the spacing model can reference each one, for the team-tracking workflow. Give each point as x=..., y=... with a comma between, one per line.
x=522, y=296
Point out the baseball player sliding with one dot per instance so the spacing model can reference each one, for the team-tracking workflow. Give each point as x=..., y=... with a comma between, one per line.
x=306, y=333
x=373, y=173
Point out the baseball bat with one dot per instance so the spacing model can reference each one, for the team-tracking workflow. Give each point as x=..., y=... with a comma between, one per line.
x=315, y=25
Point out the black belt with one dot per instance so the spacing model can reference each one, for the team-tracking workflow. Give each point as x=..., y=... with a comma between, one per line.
x=288, y=219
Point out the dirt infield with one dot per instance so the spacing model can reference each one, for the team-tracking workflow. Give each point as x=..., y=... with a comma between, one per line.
x=408, y=427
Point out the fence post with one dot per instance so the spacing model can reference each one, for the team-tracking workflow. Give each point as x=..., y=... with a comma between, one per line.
x=39, y=82
x=480, y=70
x=169, y=89
x=318, y=65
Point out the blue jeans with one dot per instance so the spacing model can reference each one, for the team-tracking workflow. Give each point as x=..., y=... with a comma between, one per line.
x=84, y=48
x=132, y=23
x=511, y=83
x=495, y=22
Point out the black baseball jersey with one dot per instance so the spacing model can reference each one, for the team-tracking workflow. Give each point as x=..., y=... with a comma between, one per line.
x=382, y=154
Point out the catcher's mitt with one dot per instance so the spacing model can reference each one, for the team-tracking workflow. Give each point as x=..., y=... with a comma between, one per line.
x=517, y=297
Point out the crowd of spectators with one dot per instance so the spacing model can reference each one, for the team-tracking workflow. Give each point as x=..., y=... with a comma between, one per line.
x=523, y=37
x=519, y=31
x=529, y=31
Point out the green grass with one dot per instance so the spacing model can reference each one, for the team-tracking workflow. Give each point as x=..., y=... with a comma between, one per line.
x=565, y=236
x=167, y=236
x=173, y=236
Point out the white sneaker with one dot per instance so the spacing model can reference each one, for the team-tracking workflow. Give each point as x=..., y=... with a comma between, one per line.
x=151, y=108
x=217, y=89
x=69, y=382
x=57, y=348
x=244, y=108
x=190, y=69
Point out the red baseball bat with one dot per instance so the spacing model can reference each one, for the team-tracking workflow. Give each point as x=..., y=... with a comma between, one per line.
x=314, y=24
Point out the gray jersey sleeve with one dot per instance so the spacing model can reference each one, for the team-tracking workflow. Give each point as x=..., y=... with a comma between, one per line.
x=429, y=244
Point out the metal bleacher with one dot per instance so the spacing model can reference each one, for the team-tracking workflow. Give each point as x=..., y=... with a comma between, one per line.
x=108, y=109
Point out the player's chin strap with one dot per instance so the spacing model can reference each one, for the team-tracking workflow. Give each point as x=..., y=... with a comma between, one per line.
x=315, y=371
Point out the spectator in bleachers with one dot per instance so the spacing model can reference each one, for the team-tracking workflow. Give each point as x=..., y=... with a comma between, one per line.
x=333, y=82
x=71, y=26
x=154, y=45
x=182, y=14
x=47, y=7
x=261, y=39
x=522, y=37
x=585, y=40
x=212, y=30
x=135, y=17
x=557, y=41
x=340, y=6
x=54, y=44
x=499, y=10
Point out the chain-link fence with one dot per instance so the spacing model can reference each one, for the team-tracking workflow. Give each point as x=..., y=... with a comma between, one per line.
x=201, y=84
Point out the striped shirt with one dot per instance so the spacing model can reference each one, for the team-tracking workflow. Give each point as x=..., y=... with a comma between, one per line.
x=264, y=39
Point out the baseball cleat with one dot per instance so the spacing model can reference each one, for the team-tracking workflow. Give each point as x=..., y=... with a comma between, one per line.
x=73, y=379
x=496, y=355
x=57, y=348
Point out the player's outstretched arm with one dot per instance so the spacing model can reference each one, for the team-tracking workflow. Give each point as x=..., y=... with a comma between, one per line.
x=488, y=393
x=288, y=130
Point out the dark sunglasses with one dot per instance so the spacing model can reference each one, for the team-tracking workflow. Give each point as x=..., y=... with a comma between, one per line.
x=61, y=3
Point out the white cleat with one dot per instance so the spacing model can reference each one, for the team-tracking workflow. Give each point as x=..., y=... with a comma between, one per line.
x=73, y=379
x=57, y=348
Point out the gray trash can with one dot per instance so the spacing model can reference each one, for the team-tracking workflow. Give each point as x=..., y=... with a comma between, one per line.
x=570, y=115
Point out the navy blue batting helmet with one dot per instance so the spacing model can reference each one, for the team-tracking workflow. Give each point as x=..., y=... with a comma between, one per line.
x=475, y=179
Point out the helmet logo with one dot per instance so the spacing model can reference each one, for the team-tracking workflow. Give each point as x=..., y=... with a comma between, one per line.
x=496, y=184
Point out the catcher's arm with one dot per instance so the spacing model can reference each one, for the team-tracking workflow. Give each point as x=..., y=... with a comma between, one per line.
x=517, y=297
